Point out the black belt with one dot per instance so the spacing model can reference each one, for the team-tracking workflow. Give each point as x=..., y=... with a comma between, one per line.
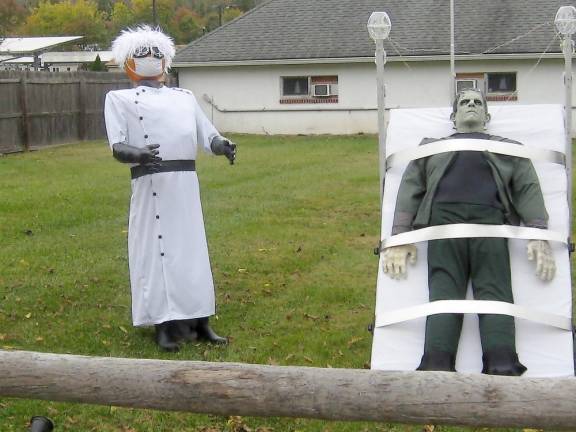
x=163, y=166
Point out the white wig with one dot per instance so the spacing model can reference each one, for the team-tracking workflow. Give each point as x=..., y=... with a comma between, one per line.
x=125, y=45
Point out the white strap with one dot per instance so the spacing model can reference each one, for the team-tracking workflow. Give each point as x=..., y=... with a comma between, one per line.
x=469, y=144
x=439, y=232
x=475, y=307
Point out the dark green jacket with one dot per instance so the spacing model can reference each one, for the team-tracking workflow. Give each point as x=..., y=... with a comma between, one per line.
x=517, y=182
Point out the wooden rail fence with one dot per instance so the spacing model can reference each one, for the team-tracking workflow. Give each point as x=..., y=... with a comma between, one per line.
x=290, y=391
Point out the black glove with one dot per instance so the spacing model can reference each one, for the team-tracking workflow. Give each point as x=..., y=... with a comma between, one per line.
x=147, y=155
x=223, y=146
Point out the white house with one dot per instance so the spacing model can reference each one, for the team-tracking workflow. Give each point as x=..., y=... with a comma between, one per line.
x=301, y=66
x=70, y=61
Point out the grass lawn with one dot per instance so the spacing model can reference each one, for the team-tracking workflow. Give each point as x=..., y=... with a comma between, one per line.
x=291, y=228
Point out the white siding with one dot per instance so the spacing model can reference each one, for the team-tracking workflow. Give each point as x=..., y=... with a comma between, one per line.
x=246, y=99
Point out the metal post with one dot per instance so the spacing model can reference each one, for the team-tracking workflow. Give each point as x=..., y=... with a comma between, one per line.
x=154, y=15
x=381, y=91
x=568, y=49
x=452, y=54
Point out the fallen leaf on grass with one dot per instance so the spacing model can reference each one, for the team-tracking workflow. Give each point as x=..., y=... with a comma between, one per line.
x=39, y=339
x=308, y=359
x=242, y=270
x=354, y=340
x=312, y=317
x=123, y=329
x=428, y=428
x=28, y=315
x=236, y=424
x=71, y=420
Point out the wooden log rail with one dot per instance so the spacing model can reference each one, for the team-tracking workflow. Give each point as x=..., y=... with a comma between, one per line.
x=290, y=391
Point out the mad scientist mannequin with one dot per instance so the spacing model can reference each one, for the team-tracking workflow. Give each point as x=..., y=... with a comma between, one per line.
x=158, y=130
x=477, y=188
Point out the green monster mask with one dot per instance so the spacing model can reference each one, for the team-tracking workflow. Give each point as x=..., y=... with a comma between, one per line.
x=470, y=113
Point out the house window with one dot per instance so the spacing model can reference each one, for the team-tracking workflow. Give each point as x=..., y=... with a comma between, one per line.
x=309, y=89
x=295, y=86
x=500, y=82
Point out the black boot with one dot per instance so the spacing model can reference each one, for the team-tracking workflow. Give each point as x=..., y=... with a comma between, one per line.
x=438, y=361
x=206, y=333
x=502, y=361
x=41, y=424
x=166, y=336
x=187, y=330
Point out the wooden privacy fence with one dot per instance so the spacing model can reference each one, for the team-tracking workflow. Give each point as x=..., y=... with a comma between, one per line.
x=43, y=108
x=291, y=391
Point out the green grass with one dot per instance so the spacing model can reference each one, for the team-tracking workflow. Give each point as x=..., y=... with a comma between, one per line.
x=291, y=228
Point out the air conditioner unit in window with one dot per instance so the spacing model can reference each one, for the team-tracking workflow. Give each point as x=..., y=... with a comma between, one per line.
x=322, y=90
x=464, y=84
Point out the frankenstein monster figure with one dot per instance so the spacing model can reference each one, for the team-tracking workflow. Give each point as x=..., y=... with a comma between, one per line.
x=476, y=188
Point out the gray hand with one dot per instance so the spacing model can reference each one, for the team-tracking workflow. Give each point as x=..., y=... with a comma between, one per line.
x=396, y=258
x=149, y=157
x=223, y=146
x=230, y=151
x=541, y=252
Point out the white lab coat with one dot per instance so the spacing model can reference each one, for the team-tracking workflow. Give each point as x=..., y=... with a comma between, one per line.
x=170, y=273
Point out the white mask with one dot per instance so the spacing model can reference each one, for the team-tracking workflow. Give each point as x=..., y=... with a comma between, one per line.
x=148, y=66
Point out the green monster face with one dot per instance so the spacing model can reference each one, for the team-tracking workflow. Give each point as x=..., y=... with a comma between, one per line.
x=470, y=112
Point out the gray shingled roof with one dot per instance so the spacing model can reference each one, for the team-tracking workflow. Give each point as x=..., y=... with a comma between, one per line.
x=316, y=29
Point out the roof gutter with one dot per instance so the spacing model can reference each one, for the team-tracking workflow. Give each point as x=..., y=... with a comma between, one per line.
x=347, y=60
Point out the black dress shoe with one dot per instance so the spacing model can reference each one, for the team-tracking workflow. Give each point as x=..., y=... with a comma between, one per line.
x=41, y=424
x=206, y=333
x=502, y=362
x=438, y=361
x=166, y=337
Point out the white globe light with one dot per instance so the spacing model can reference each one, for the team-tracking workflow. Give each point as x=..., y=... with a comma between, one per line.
x=566, y=20
x=379, y=25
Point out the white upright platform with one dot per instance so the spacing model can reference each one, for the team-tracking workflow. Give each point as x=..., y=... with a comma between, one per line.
x=545, y=350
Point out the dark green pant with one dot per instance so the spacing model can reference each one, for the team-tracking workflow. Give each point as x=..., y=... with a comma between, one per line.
x=452, y=262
